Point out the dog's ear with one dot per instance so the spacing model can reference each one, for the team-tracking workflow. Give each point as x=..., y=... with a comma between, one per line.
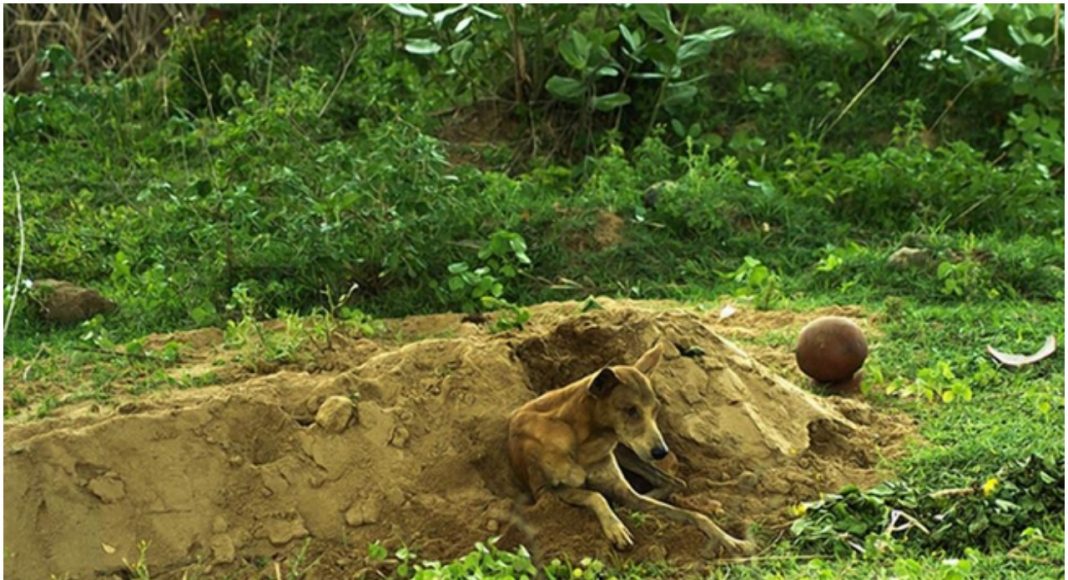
x=603, y=382
x=648, y=362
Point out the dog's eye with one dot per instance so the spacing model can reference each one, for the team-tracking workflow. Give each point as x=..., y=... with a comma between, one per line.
x=633, y=412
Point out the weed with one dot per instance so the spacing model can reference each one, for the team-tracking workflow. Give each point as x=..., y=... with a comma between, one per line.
x=139, y=567
x=757, y=281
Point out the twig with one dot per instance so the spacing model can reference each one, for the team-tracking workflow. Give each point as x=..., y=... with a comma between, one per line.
x=667, y=78
x=957, y=491
x=200, y=79
x=771, y=558
x=866, y=86
x=29, y=367
x=114, y=353
x=952, y=103
x=1056, y=41
x=344, y=71
x=22, y=253
x=270, y=60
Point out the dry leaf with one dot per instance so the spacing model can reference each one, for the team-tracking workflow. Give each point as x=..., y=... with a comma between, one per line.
x=727, y=312
x=1019, y=360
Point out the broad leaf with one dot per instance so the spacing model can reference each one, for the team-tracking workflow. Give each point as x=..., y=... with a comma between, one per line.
x=461, y=50
x=408, y=10
x=658, y=17
x=463, y=24
x=1008, y=60
x=565, y=88
x=576, y=50
x=422, y=46
x=697, y=46
x=610, y=101
x=632, y=38
x=440, y=17
x=974, y=35
x=485, y=12
x=965, y=17
x=678, y=94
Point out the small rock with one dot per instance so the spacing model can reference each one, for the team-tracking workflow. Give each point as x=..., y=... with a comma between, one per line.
x=236, y=460
x=492, y=526
x=222, y=548
x=363, y=511
x=108, y=487
x=906, y=257
x=334, y=414
x=747, y=481
x=218, y=525
x=400, y=437
x=64, y=303
x=342, y=562
x=281, y=532
x=127, y=407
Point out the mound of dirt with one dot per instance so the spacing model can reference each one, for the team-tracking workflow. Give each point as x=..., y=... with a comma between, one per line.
x=409, y=447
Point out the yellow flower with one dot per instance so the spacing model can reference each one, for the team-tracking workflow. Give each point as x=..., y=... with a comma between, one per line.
x=576, y=573
x=799, y=510
x=990, y=485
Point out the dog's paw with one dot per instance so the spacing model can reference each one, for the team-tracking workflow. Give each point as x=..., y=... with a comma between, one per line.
x=726, y=543
x=619, y=535
x=736, y=547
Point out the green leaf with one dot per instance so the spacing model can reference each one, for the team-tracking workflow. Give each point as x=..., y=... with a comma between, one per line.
x=440, y=17
x=698, y=46
x=460, y=50
x=678, y=127
x=463, y=24
x=974, y=35
x=1035, y=54
x=565, y=88
x=408, y=10
x=458, y=267
x=632, y=38
x=658, y=17
x=1008, y=60
x=486, y=13
x=576, y=50
x=965, y=17
x=422, y=46
x=678, y=94
x=610, y=101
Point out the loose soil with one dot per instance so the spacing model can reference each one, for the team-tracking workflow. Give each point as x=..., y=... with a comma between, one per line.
x=225, y=478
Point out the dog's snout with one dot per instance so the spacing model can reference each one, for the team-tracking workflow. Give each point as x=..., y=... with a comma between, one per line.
x=659, y=452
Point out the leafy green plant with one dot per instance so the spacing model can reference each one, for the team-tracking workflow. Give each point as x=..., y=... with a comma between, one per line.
x=941, y=383
x=993, y=513
x=139, y=568
x=755, y=280
x=482, y=288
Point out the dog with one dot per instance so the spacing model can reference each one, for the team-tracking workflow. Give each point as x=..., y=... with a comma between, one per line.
x=563, y=443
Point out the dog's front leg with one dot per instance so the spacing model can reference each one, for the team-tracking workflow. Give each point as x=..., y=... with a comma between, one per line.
x=608, y=478
x=617, y=533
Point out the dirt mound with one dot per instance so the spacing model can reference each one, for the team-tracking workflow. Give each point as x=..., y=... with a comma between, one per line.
x=221, y=475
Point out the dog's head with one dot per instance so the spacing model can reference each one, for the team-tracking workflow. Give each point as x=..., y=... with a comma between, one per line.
x=625, y=402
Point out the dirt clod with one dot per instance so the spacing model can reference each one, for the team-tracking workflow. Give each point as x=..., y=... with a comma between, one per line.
x=247, y=469
x=906, y=257
x=61, y=302
x=334, y=414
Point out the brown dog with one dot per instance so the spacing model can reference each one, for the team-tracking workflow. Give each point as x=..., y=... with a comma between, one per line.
x=563, y=443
